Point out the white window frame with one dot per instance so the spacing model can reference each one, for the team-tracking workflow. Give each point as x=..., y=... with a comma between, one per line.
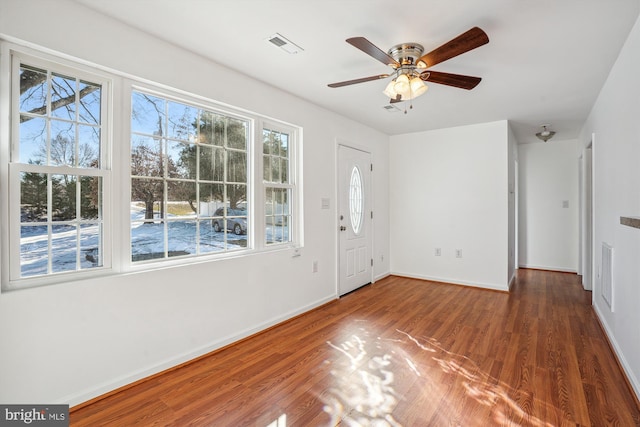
x=117, y=89
x=15, y=57
x=292, y=184
x=196, y=102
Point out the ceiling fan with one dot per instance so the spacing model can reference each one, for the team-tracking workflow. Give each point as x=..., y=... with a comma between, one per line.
x=410, y=66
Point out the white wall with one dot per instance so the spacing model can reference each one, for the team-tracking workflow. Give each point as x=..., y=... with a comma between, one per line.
x=548, y=232
x=615, y=121
x=70, y=342
x=449, y=190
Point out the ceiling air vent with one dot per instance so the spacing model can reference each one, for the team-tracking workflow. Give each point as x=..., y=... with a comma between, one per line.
x=391, y=108
x=287, y=45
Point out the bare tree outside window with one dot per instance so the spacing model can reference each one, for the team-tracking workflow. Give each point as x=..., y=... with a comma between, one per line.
x=59, y=124
x=191, y=183
x=278, y=188
x=188, y=173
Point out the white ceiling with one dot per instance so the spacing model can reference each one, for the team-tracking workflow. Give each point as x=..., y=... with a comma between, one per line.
x=545, y=63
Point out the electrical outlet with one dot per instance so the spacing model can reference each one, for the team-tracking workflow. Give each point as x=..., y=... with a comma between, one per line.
x=458, y=253
x=438, y=252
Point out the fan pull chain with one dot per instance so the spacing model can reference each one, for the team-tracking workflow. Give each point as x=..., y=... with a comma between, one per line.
x=410, y=101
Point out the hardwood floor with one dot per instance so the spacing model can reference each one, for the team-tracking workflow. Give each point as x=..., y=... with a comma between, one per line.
x=402, y=352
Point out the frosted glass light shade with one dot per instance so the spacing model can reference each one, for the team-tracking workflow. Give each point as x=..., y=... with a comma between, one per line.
x=417, y=87
x=408, y=88
x=389, y=90
x=402, y=85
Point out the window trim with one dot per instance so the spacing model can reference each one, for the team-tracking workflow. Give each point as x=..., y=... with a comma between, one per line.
x=15, y=169
x=216, y=108
x=292, y=184
x=117, y=88
x=10, y=248
x=255, y=190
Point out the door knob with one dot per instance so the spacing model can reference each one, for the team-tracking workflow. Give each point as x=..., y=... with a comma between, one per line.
x=343, y=228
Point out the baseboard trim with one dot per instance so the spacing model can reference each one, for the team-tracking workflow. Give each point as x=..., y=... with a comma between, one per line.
x=547, y=268
x=627, y=373
x=93, y=395
x=490, y=286
x=380, y=277
x=513, y=279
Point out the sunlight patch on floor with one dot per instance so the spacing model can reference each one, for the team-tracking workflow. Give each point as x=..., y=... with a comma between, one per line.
x=280, y=422
x=481, y=387
x=371, y=376
x=362, y=392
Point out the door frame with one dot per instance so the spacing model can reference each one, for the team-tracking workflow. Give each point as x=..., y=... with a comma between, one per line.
x=586, y=264
x=336, y=222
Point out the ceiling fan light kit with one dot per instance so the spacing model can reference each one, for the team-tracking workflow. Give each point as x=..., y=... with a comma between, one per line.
x=405, y=87
x=410, y=65
x=408, y=84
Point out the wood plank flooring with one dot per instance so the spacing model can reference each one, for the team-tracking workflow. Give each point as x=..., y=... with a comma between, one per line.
x=402, y=352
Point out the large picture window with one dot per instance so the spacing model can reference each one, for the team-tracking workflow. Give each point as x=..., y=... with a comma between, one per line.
x=104, y=174
x=188, y=179
x=57, y=171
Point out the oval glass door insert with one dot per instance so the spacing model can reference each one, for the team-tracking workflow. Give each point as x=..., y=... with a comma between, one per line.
x=356, y=200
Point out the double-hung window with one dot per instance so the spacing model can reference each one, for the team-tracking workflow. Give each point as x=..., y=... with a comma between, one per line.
x=202, y=179
x=278, y=182
x=189, y=179
x=58, y=170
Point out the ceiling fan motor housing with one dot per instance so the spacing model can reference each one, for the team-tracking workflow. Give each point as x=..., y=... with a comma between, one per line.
x=407, y=54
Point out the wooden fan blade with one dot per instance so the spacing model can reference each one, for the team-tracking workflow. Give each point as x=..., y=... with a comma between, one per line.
x=465, y=42
x=455, y=80
x=361, y=80
x=372, y=50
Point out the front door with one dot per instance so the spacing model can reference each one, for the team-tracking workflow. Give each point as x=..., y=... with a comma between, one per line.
x=354, y=215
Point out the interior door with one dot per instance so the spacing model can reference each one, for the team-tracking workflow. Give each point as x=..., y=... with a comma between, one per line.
x=354, y=218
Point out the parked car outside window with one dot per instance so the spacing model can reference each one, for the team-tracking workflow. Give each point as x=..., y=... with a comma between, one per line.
x=237, y=225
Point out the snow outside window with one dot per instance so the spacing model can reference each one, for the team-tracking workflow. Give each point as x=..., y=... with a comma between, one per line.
x=278, y=185
x=189, y=185
x=57, y=171
x=200, y=179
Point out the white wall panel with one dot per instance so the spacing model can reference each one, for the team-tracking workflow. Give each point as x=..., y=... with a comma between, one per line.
x=70, y=342
x=548, y=211
x=448, y=190
x=615, y=121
